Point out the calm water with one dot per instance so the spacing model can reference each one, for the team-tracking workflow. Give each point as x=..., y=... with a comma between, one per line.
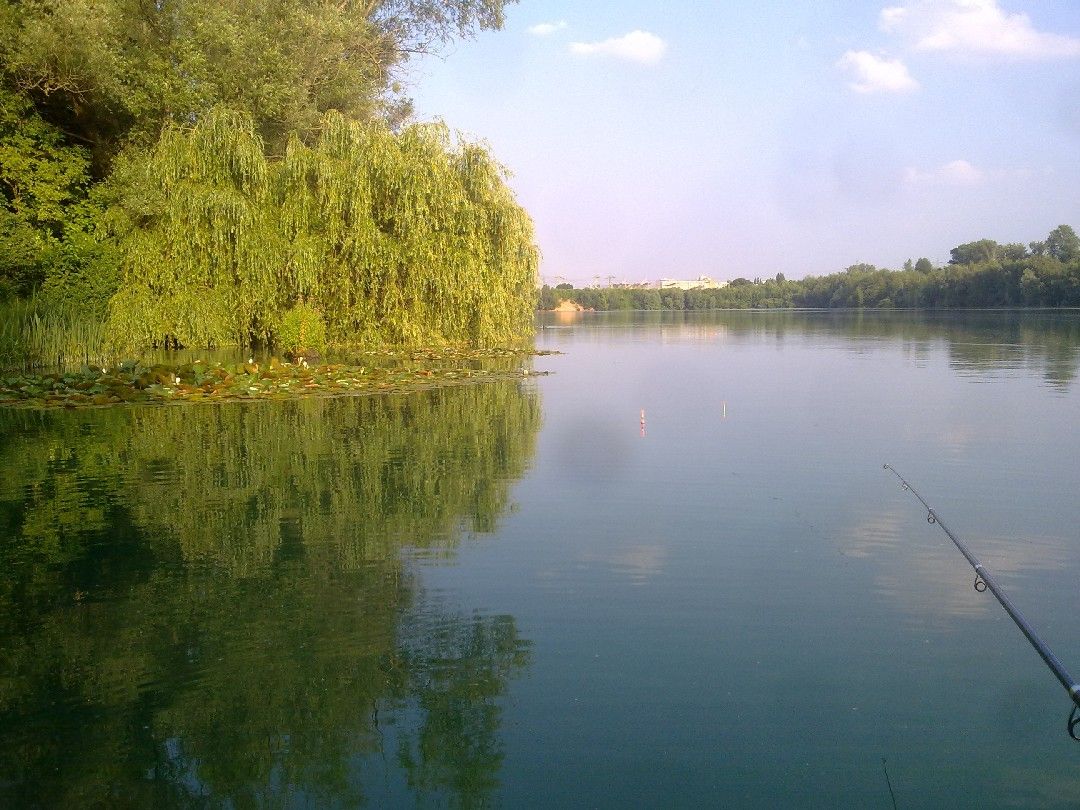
x=512, y=595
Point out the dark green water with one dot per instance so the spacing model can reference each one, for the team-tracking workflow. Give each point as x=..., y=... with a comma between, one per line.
x=506, y=595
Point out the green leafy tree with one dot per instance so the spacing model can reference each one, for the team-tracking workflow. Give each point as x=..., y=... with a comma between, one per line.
x=112, y=71
x=391, y=238
x=983, y=250
x=645, y=299
x=546, y=298
x=1063, y=244
x=42, y=182
x=1013, y=252
x=673, y=299
x=252, y=158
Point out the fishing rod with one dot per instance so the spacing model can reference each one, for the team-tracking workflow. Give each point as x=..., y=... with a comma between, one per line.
x=984, y=580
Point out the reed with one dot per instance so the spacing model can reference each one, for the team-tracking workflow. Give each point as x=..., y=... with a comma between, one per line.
x=13, y=314
x=32, y=336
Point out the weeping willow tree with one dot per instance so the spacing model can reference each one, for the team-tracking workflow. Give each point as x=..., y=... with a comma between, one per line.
x=387, y=237
x=200, y=254
x=405, y=238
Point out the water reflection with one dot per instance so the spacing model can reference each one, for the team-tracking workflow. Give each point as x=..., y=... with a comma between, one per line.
x=209, y=605
x=907, y=556
x=979, y=343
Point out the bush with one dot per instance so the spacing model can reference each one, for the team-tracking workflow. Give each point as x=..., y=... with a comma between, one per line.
x=302, y=332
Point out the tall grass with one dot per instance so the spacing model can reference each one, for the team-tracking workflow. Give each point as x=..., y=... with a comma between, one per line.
x=13, y=314
x=32, y=336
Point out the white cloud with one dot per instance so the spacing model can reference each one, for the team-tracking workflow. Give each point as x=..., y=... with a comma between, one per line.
x=876, y=74
x=974, y=27
x=637, y=46
x=953, y=173
x=544, y=29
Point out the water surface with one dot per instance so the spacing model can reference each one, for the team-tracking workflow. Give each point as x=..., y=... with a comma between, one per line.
x=516, y=594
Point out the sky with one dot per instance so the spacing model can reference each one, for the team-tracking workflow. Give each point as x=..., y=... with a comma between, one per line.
x=735, y=139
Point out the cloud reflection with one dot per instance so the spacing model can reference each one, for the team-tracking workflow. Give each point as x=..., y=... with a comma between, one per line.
x=933, y=583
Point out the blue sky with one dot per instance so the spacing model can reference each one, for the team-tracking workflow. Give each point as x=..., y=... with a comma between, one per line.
x=675, y=139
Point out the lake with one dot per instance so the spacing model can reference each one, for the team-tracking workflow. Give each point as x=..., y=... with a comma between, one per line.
x=526, y=593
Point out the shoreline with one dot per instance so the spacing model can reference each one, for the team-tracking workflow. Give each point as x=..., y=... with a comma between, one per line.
x=275, y=380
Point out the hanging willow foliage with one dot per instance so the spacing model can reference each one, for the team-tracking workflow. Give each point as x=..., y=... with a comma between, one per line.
x=392, y=238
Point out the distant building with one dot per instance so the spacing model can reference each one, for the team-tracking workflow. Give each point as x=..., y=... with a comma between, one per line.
x=700, y=283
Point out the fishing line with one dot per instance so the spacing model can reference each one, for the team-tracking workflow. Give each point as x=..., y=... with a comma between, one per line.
x=983, y=581
x=888, y=782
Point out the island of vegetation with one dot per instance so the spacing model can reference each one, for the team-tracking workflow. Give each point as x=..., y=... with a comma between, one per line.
x=979, y=274
x=216, y=173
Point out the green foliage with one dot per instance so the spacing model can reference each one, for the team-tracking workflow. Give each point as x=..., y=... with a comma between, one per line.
x=39, y=174
x=25, y=252
x=65, y=338
x=42, y=186
x=223, y=129
x=301, y=331
x=1063, y=244
x=672, y=299
x=395, y=239
x=547, y=298
x=984, y=250
x=83, y=276
x=33, y=335
x=200, y=258
x=645, y=299
x=13, y=348
x=113, y=72
x=406, y=238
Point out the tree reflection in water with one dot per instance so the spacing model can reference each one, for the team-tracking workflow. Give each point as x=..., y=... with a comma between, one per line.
x=980, y=342
x=209, y=605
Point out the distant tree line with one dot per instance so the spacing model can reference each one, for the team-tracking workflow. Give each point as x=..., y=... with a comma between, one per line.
x=978, y=274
